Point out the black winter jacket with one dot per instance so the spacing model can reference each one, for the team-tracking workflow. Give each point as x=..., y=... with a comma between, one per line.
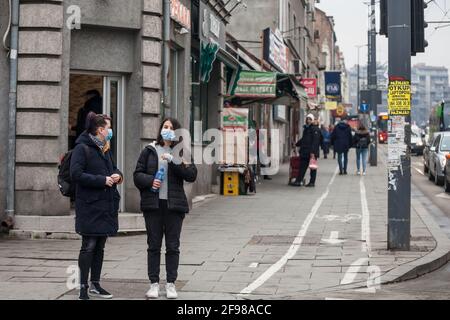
x=310, y=142
x=146, y=169
x=96, y=205
x=361, y=140
x=341, y=138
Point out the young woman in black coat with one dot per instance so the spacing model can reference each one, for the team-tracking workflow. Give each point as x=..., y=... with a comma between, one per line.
x=96, y=201
x=164, y=210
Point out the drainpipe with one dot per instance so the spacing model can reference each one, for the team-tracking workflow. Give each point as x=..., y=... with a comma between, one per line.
x=166, y=54
x=11, y=169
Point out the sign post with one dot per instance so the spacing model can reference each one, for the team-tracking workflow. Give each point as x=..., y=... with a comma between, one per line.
x=399, y=127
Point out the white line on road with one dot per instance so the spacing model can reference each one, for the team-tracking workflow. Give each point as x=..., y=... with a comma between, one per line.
x=334, y=238
x=352, y=271
x=419, y=171
x=295, y=245
x=254, y=265
x=365, y=224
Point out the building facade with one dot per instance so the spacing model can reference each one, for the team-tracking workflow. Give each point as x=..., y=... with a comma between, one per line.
x=430, y=87
x=69, y=47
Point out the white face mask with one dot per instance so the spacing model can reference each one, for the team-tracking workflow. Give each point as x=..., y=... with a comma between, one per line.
x=168, y=135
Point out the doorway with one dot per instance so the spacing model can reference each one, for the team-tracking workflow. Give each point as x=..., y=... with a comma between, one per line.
x=101, y=94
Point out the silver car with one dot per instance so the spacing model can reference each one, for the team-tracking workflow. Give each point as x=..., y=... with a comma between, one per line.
x=439, y=149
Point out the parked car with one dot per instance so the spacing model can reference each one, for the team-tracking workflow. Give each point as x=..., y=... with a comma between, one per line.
x=417, y=145
x=438, y=157
x=426, y=152
x=447, y=175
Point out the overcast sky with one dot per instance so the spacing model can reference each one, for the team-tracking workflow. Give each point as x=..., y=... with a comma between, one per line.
x=351, y=18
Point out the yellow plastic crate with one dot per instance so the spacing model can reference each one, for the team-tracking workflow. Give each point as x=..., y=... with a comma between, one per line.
x=231, y=183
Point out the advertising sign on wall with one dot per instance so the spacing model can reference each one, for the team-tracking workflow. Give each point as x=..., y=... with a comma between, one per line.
x=180, y=13
x=310, y=87
x=275, y=51
x=333, y=84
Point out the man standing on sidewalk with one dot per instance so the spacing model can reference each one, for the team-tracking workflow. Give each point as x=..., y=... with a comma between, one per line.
x=342, y=140
x=309, y=146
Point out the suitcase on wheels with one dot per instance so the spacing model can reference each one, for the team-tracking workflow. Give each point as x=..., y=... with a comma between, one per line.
x=294, y=169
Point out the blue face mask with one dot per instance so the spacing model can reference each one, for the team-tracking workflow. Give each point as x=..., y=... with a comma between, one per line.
x=110, y=135
x=168, y=135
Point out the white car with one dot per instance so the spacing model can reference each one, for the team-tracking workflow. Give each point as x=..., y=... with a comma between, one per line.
x=439, y=150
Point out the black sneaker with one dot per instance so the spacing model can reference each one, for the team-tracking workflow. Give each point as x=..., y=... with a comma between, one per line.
x=98, y=292
x=310, y=185
x=84, y=293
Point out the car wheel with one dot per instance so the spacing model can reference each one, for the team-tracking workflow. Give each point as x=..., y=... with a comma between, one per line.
x=437, y=181
x=430, y=175
x=446, y=184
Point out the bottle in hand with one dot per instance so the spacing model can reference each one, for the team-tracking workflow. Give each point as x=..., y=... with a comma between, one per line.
x=159, y=177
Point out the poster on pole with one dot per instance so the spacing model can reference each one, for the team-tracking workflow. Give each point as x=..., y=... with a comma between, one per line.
x=399, y=98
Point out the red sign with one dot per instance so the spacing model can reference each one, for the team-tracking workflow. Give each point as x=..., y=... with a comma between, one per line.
x=310, y=87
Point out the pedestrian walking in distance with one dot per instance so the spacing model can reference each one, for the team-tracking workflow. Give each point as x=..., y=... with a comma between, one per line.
x=326, y=141
x=309, y=146
x=96, y=200
x=361, y=143
x=342, y=141
x=160, y=177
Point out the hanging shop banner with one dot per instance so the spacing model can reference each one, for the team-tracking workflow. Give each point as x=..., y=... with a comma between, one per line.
x=333, y=84
x=180, y=14
x=275, y=51
x=399, y=98
x=310, y=87
x=235, y=118
x=208, y=55
x=255, y=84
x=331, y=105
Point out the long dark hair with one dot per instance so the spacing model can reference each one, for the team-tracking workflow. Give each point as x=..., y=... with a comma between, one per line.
x=95, y=121
x=175, y=124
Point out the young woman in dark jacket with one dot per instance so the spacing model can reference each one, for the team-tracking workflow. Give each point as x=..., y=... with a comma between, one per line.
x=361, y=143
x=342, y=141
x=97, y=200
x=164, y=210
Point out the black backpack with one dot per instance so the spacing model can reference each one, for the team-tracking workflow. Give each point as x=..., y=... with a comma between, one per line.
x=65, y=183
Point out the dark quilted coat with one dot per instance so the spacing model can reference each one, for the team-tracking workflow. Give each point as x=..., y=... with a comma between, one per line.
x=96, y=205
x=146, y=169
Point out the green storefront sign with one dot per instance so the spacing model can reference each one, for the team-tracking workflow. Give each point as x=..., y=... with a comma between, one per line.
x=255, y=84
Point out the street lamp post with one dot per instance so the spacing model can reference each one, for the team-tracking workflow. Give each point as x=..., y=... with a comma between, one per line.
x=358, y=95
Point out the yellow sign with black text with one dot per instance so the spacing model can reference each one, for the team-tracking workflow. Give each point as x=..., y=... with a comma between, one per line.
x=399, y=98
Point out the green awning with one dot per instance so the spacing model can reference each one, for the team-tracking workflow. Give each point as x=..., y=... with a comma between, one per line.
x=256, y=84
x=268, y=88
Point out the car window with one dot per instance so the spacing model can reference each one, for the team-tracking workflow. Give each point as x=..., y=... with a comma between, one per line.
x=445, y=146
x=437, y=141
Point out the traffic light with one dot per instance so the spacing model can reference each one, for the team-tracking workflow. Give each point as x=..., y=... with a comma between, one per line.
x=418, y=25
x=383, y=18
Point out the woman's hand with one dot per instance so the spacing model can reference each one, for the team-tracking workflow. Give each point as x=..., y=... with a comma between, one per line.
x=109, y=182
x=167, y=156
x=117, y=178
x=156, y=184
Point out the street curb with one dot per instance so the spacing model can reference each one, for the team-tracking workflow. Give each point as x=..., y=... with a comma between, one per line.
x=430, y=262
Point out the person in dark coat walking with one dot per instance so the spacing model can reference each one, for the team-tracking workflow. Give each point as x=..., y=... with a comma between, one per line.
x=326, y=141
x=342, y=140
x=309, y=146
x=361, y=143
x=165, y=210
x=96, y=201
x=94, y=104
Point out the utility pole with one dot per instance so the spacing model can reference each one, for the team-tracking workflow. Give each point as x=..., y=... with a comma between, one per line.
x=372, y=82
x=399, y=128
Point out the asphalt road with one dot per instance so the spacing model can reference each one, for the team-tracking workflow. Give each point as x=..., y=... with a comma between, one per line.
x=436, y=285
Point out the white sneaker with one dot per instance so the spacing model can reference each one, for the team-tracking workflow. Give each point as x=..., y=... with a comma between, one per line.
x=171, y=292
x=358, y=173
x=364, y=174
x=153, y=293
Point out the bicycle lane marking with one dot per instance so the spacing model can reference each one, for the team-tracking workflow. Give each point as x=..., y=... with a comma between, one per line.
x=295, y=246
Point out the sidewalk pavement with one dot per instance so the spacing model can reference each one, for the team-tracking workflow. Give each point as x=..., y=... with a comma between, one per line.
x=282, y=242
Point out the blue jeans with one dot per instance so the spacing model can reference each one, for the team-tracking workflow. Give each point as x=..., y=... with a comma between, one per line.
x=343, y=161
x=361, y=156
